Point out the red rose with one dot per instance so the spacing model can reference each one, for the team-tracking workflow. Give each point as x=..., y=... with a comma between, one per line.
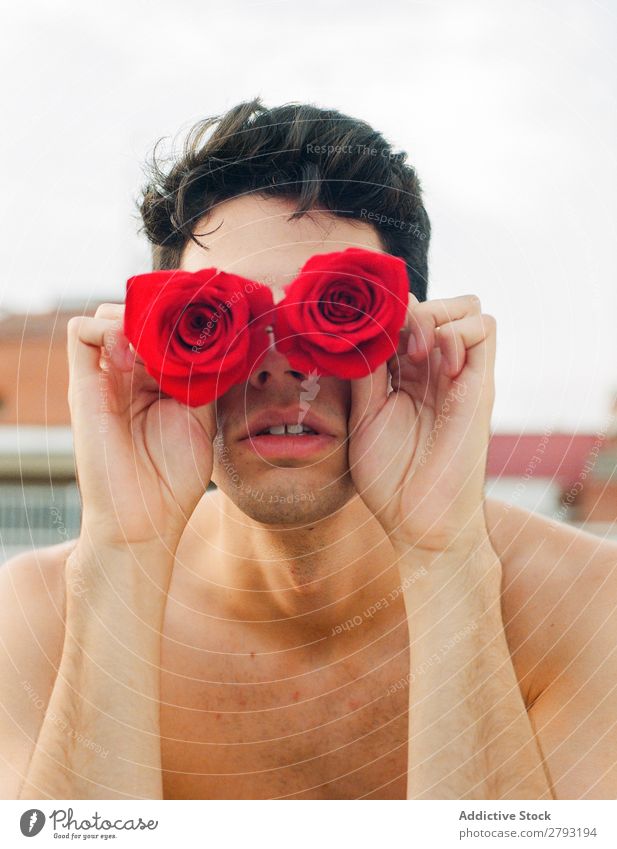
x=198, y=333
x=343, y=313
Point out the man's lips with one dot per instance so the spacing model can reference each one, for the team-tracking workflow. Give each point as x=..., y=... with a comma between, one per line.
x=274, y=447
x=277, y=416
x=287, y=445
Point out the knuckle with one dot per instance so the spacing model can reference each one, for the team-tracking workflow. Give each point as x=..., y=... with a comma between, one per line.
x=490, y=322
x=102, y=311
x=109, y=310
x=72, y=324
x=474, y=301
x=80, y=320
x=426, y=306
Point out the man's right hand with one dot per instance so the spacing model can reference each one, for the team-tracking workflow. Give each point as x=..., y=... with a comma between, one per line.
x=143, y=459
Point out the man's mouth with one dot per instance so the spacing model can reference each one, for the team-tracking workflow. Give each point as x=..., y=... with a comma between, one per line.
x=288, y=433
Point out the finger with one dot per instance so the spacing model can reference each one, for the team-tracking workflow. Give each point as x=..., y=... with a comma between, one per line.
x=94, y=339
x=481, y=357
x=83, y=358
x=403, y=344
x=427, y=316
x=415, y=375
x=115, y=345
x=417, y=335
x=115, y=312
x=368, y=395
x=458, y=339
x=412, y=304
x=450, y=309
x=450, y=341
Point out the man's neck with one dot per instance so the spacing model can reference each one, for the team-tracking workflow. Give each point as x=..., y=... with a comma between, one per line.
x=316, y=576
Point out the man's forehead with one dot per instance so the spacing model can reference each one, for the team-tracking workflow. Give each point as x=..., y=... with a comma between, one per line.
x=253, y=237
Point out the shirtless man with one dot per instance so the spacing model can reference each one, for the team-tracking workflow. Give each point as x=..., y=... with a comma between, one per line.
x=358, y=623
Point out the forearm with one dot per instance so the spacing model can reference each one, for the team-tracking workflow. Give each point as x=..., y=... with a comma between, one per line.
x=100, y=735
x=469, y=733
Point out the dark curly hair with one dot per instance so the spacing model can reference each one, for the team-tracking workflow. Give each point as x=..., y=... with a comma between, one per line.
x=322, y=158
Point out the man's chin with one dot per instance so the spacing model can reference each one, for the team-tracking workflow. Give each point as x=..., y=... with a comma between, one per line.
x=289, y=500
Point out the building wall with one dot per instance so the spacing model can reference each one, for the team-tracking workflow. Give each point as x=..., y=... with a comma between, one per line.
x=34, y=382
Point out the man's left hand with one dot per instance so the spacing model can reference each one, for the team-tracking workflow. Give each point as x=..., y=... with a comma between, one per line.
x=419, y=426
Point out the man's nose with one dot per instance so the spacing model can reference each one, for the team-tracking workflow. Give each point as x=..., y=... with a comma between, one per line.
x=275, y=371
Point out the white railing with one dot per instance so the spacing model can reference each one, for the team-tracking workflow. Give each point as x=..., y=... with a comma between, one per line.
x=34, y=515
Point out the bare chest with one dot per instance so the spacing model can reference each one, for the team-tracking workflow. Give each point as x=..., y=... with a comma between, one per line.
x=243, y=718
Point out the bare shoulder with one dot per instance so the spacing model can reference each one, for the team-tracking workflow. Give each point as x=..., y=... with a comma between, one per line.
x=559, y=588
x=32, y=601
x=560, y=602
x=517, y=533
x=32, y=594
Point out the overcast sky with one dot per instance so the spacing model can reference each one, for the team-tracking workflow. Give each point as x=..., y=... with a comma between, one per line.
x=507, y=109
